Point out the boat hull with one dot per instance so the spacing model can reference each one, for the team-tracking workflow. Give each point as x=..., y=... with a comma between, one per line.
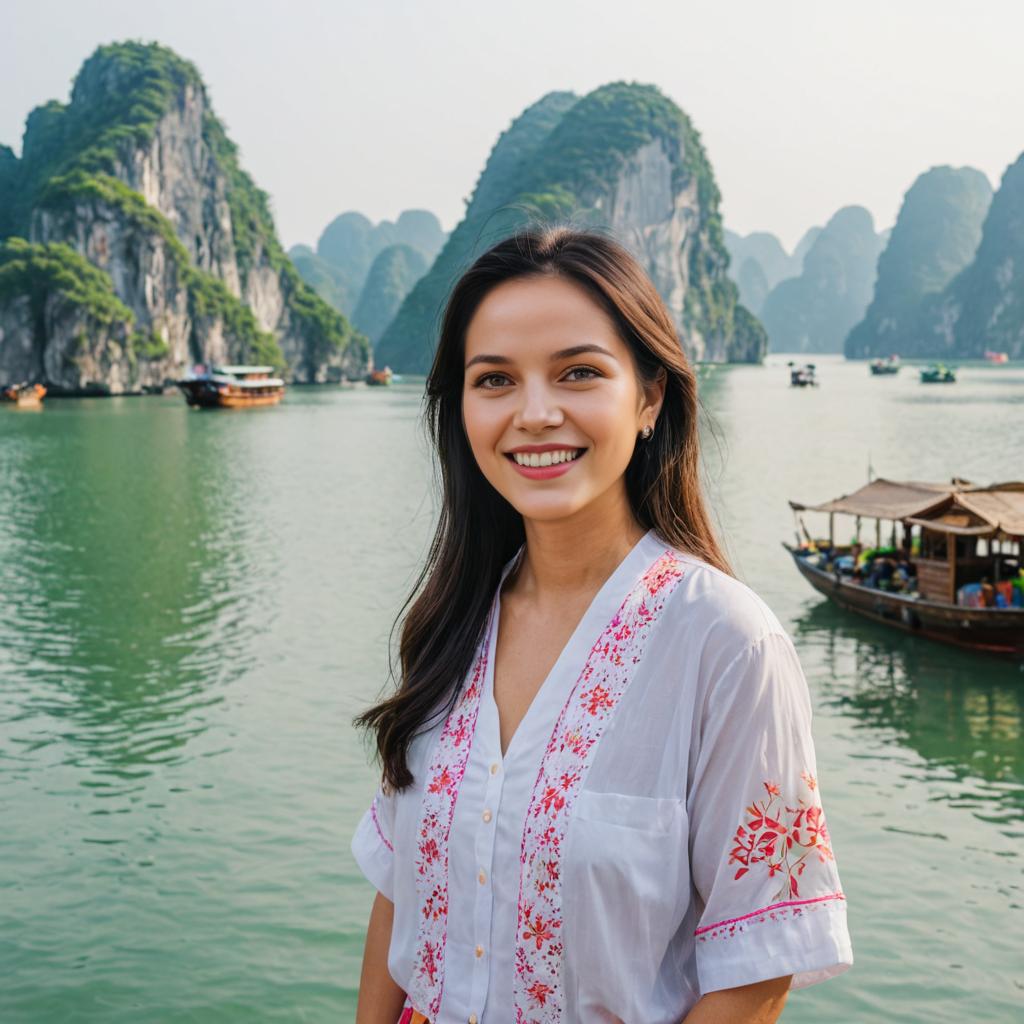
x=997, y=631
x=206, y=395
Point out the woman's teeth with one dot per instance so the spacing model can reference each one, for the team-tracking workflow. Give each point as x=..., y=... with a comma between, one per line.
x=547, y=458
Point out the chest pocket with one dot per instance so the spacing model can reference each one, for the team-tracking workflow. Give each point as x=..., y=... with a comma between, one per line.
x=625, y=888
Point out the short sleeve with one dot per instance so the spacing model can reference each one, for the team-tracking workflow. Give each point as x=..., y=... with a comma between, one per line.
x=761, y=856
x=372, y=844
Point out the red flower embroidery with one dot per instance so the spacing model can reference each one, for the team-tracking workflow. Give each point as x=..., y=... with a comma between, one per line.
x=759, y=839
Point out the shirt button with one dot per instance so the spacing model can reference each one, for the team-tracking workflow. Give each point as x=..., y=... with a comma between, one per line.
x=472, y=1018
x=487, y=815
x=482, y=877
x=479, y=952
x=494, y=768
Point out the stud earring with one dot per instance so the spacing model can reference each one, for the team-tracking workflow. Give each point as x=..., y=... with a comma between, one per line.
x=646, y=433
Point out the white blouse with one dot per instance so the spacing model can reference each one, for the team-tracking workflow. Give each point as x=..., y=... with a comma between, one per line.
x=653, y=832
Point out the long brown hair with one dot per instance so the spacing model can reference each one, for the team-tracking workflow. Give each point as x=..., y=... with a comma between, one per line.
x=478, y=531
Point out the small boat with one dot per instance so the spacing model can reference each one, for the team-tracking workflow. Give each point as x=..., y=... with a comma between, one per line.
x=24, y=393
x=232, y=387
x=997, y=357
x=376, y=378
x=938, y=374
x=802, y=376
x=885, y=367
x=950, y=568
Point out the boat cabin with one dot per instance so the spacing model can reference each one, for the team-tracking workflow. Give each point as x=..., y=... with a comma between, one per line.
x=957, y=535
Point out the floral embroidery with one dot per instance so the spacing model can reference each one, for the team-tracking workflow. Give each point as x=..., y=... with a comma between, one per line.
x=447, y=767
x=537, y=986
x=775, y=834
x=373, y=814
x=779, y=840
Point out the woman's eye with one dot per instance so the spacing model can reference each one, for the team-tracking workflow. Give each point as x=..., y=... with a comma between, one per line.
x=584, y=369
x=482, y=382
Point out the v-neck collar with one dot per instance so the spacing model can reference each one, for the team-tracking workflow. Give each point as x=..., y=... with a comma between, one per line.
x=562, y=677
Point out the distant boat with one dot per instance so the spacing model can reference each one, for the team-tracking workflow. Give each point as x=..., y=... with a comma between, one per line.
x=23, y=394
x=379, y=377
x=232, y=387
x=949, y=568
x=997, y=357
x=885, y=367
x=802, y=376
x=938, y=374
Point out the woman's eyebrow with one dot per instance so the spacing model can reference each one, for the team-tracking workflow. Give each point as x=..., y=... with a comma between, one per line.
x=564, y=353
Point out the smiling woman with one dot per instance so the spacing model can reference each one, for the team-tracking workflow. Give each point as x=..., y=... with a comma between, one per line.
x=599, y=797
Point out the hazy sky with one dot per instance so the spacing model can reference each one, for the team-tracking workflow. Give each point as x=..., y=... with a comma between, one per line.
x=384, y=105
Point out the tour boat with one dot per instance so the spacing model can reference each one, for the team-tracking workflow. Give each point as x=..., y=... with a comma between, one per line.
x=883, y=367
x=938, y=374
x=233, y=387
x=955, y=574
x=802, y=376
x=23, y=394
x=379, y=377
x=997, y=357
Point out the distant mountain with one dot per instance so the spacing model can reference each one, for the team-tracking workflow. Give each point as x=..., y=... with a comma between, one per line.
x=624, y=157
x=757, y=263
x=351, y=242
x=134, y=244
x=814, y=311
x=392, y=276
x=935, y=237
x=983, y=306
x=324, y=278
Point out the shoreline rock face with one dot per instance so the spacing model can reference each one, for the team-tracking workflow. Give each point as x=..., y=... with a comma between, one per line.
x=623, y=158
x=137, y=175
x=937, y=233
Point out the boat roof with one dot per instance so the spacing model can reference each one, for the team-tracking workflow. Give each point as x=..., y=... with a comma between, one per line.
x=954, y=507
x=240, y=368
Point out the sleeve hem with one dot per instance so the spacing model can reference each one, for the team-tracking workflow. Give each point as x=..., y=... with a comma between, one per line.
x=811, y=953
x=373, y=857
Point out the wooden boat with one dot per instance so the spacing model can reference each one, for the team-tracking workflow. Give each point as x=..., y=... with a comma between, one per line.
x=232, y=387
x=962, y=545
x=23, y=394
x=376, y=378
x=802, y=376
x=997, y=357
x=938, y=374
x=885, y=367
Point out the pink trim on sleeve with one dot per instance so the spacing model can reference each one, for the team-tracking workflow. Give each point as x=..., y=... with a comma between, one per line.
x=373, y=814
x=770, y=911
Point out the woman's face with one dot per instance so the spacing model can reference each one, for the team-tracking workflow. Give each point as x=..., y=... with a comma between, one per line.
x=545, y=369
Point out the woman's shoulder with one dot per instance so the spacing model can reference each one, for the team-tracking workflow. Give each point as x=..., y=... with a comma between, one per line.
x=710, y=608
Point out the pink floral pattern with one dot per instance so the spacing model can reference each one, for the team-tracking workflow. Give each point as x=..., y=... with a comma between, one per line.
x=373, y=814
x=537, y=986
x=781, y=838
x=777, y=841
x=444, y=776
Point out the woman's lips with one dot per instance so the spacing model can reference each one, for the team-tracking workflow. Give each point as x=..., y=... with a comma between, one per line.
x=545, y=472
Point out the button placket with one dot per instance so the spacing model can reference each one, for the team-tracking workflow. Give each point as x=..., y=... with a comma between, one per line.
x=484, y=849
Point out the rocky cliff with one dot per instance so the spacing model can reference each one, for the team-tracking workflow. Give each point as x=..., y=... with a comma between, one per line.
x=626, y=158
x=935, y=237
x=814, y=311
x=392, y=276
x=137, y=176
x=982, y=308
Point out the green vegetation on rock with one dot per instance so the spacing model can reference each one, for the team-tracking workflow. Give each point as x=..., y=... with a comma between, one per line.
x=39, y=271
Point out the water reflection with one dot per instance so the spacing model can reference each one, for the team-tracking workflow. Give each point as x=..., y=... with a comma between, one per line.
x=130, y=570
x=960, y=712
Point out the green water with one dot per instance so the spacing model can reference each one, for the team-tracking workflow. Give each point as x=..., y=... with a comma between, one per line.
x=195, y=604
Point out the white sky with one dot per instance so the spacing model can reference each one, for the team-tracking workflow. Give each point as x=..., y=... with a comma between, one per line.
x=383, y=105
